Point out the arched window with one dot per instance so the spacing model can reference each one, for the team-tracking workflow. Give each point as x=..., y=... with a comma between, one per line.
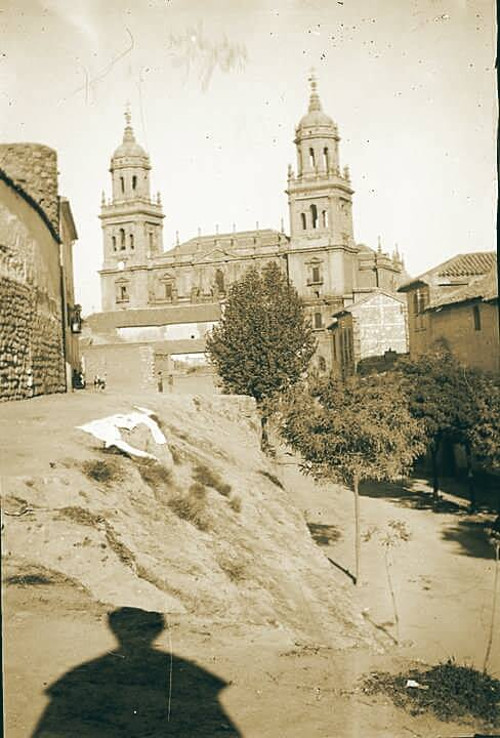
x=113, y=241
x=303, y=221
x=219, y=280
x=312, y=159
x=122, y=239
x=151, y=239
x=122, y=184
x=131, y=240
x=324, y=218
x=314, y=216
x=134, y=182
x=326, y=158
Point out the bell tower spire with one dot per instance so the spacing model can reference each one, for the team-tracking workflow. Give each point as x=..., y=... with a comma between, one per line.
x=319, y=195
x=131, y=222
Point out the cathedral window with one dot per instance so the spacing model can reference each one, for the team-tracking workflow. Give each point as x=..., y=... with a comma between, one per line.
x=324, y=218
x=122, y=293
x=303, y=221
x=134, y=182
x=316, y=275
x=131, y=241
x=122, y=239
x=326, y=158
x=312, y=159
x=314, y=216
x=219, y=280
x=318, y=320
x=113, y=241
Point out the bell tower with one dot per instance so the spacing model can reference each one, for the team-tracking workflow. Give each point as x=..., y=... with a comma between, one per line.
x=320, y=194
x=132, y=226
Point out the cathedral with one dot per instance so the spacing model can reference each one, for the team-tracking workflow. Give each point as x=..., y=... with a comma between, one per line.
x=168, y=300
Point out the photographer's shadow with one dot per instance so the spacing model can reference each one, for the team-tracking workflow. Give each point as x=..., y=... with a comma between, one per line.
x=135, y=690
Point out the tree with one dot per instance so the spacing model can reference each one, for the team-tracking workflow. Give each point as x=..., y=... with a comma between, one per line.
x=264, y=341
x=456, y=404
x=351, y=432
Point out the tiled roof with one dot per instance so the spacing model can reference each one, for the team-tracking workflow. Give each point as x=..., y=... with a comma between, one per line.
x=467, y=265
x=367, y=298
x=458, y=270
x=228, y=241
x=484, y=287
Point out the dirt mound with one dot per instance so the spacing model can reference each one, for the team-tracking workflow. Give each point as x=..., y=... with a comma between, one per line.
x=212, y=534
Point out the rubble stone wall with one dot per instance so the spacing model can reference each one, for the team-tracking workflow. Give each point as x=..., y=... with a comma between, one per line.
x=31, y=340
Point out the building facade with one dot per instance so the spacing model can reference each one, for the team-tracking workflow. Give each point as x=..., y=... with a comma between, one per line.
x=456, y=303
x=373, y=326
x=142, y=285
x=38, y=352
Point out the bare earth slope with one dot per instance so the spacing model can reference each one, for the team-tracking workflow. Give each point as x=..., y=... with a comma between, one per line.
x=134, y=533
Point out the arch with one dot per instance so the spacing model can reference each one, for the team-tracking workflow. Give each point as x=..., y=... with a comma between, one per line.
x=314, y=216
x=131, y=241
x=122, y=184
x=326, y=158
x=134, y=181
x=113, y=241
x=122, y=239
x=303, y=221
x=312, y=158
x=324, y=218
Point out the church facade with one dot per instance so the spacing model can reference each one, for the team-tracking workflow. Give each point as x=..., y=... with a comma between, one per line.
x=156, y=297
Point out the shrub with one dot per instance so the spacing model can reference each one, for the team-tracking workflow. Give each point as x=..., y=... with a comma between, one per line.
x=192, y=507
x=209, y=478
x=102, y=471
x=448, y=690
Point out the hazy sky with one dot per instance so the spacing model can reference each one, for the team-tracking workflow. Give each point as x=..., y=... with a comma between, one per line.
x=216, y=88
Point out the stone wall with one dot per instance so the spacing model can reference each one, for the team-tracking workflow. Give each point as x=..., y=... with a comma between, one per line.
x=125, y=366
x=33, y=167
x=31, y=339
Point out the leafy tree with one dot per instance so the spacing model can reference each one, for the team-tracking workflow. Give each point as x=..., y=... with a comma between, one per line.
x=454, y=403
x=264, y=341
x=351, y=432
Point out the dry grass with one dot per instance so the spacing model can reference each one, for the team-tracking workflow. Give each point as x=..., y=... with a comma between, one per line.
x=272, y=478
x=81, y=516
x=155, y=474
x=235, y=504
x=192, y=506
x=209, y=478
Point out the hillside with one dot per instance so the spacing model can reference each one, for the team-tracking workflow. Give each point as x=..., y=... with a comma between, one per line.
x=209, y=533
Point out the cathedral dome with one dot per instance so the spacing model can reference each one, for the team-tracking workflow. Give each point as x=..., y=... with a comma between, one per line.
x=129, y=148
x=315, y=117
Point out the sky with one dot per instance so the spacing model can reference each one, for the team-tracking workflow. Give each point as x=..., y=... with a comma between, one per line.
x=216, y=88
